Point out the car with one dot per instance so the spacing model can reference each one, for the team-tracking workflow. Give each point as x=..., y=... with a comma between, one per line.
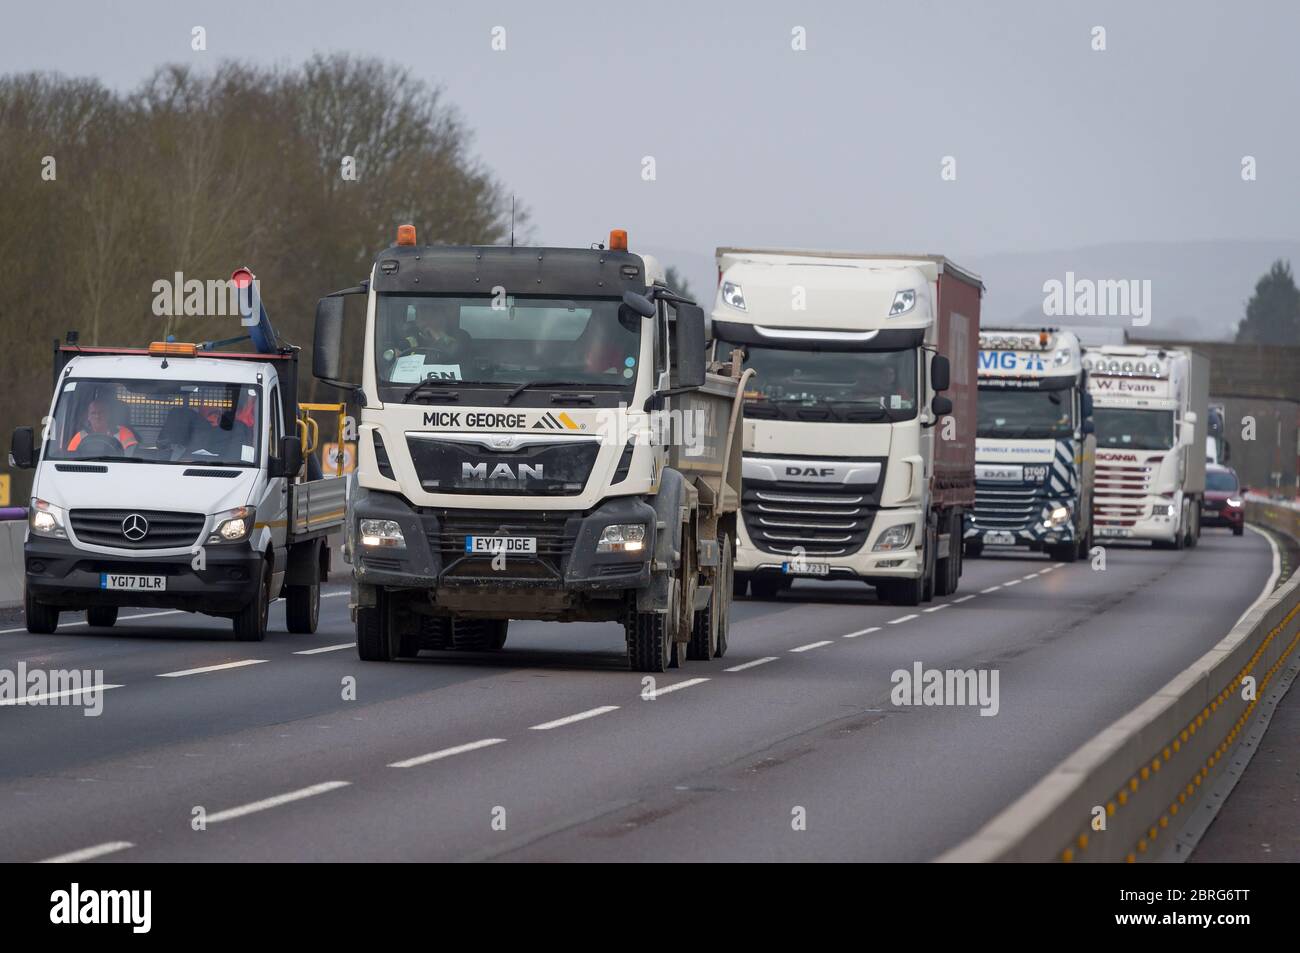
x=1224, y=503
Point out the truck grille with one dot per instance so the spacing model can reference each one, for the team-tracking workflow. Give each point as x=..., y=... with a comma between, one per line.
x=1007, y=506
x=555, y=468
x=780, y=516
x=161, y=529
x=1120, y=491
x=555, y=535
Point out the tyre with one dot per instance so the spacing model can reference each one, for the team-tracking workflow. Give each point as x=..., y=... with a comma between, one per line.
x=724, y=613
x=930, y=562
x=708, y=638
x=765, y=586
x=1063, y=552
x=973, y=548
x=250, y=621
x=1238, y=530
x=41, y=619
x=101, y=617
x=648, y=648
x=302, y=608
x=947, y=571
x=901, y=592
x=377, y=639
x=434, y=634
x=740, y=585
x=479, y=635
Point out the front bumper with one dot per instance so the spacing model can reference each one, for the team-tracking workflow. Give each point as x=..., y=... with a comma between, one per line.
x=864, y=564
x=1224, y=516
x=1149, y=521
x=60, y=574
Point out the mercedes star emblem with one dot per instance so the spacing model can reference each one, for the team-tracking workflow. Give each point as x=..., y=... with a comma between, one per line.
x=135, y=527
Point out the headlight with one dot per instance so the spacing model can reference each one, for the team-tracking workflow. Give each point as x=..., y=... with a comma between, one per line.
x=1058, y=516
x=1233, y=503
x=47, y=519
x=896, y=537
x=1170, y=510
x=622, y=538
x=382, y=533
x=733, y=295
x=234, y=525
x=904, y=301
x=1061, y=358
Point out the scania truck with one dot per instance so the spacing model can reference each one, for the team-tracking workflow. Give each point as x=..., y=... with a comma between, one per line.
x=1034, y=450
x=540, y=438
x=859, y=436
x=1150, y=409
x=175, y=476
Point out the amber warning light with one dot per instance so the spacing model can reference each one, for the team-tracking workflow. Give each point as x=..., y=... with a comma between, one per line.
x=618, y=239
x=406, y=234
x=172, y=349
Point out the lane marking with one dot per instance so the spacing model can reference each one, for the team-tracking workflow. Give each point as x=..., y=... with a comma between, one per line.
x=270, y=802
x=942, y=605
x=985, y=592
x=650, y=696
x=46, y=696
x=1057, y=565
x=326, y=648
x=1272, y=579
x=125, y=618
x=1013, y=582
x=335, y=595
x=1044, y=572
x=1030, y=576
x=212, y=668
x=812, y=645
x=89, y=853
x=902, y=618
x=854, y=635
x=446, y=753
x=963, y=599
x=580, y=716
x=757, y=661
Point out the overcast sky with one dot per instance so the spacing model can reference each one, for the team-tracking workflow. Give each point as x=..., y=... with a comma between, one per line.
x=838, y=146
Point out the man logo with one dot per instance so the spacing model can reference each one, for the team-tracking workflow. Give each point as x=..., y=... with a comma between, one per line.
x=135, y=527
x=502, y=471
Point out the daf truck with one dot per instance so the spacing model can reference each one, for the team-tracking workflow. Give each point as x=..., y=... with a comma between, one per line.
x=859, y=436
x=1034, y=448
x=540, y=437
x=175, y=476
x=1150, y=410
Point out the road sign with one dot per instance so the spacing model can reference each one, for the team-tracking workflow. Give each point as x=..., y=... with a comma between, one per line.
x=330, y=458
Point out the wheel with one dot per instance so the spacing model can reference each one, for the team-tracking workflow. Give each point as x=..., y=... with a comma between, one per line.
x=1238, y=530
x=930, y=562
x=479, y=635
x=101, y=617
x=1085, y=545
x=1194, y=525
x=302, y=608
x=973, y=548
x=1180, y=536
x=250, y=621
x=724, y=611
x=1063, y=552
x=947, y=570
x=648, y=648
x=41, y=619
x=434, y=634
x=901, y=592
x=707, y=638
x=740, y=585
x=765, y=586
x=377, y=639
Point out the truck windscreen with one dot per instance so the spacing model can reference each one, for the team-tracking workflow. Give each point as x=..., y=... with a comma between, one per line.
x=831, y=386
x=506, y=340
x=1013, y=413
x=1133, y=429
x=156, y=421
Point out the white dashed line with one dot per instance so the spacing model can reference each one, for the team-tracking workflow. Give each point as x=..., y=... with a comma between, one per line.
x=120, y=619
x=651, y=696
x=1044, y=572
x=46, y=696
x=326, y=648
x=757, y=661
x=1032, y=575
x=854, y=635
x=963, y=599
x=212, y=668
x=89, y=853
x=335, y=595
x=942, y=605
x=903, y=618
x=812, y=645
x=985, y=592
x=446, y=753
x=1057, y=565
x=270, y=802
x=580, y=716
x=1013, y=582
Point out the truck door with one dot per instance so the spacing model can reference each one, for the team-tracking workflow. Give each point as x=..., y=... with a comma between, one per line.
x=275, y=501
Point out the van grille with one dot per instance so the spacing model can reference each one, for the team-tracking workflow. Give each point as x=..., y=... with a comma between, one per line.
x=164, y=530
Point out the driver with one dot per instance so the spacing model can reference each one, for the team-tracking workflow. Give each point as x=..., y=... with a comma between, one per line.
x=99, y=420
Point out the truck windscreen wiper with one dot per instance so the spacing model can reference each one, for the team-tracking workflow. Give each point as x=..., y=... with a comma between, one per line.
x=526, y=385
x=108, y=459
x=427, y=382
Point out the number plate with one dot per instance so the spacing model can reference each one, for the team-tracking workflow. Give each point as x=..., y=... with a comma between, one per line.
x=806, y=569
x=997, y=538
x=113, y=580
x=492, y=545
x=1113, y=531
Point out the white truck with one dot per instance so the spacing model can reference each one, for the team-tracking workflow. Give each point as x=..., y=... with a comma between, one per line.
x=1150, y=409
x=540, y=438
x=859, y=437
x=173, y=477
x=1034, y=453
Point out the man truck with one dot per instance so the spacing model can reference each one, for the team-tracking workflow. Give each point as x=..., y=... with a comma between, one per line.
x=540, y=438
x=859, y=437
x=1034, y=448
x=1150, y=410
x=174, y=476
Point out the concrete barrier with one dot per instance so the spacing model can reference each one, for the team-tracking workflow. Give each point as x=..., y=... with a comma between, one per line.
x=1148, y=774
x=11, y=562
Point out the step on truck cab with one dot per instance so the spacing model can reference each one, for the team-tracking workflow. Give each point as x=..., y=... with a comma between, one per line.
x=1034, y=448
x=540, y=438
x=1150, y=409
x=173, y=477
x=859, y=438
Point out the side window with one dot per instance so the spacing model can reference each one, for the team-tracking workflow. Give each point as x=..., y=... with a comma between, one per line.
x=661, y=339
x=277, y=430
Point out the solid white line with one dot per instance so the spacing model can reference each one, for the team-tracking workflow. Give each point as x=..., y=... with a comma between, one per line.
x=985, y=592
x=757, y=661
x=1272, y=579
x=446, y=753
x=212, y=668
x=854, y=635
x=942, y=605
x=651, y=696
x=901, y=618
x=963, y=599
x=89, y=853
x=46, y=696
x=241, y=811
x=326, y=648
x=124, y=618
x=1013, y=582
x=580, y=716
x=812, y=645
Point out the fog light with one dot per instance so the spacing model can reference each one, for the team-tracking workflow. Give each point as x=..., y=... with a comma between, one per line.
x=385, y=534
x=622, y=538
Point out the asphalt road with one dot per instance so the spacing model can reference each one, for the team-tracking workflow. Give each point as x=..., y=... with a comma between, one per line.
x=789, y=748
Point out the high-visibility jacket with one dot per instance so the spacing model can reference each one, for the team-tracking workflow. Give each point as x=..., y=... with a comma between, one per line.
x=124, y=436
